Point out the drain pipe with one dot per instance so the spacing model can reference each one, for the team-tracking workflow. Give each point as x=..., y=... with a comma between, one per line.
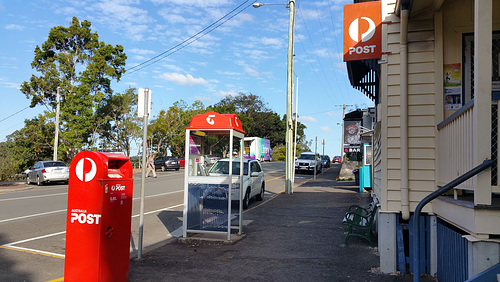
x=403, y=54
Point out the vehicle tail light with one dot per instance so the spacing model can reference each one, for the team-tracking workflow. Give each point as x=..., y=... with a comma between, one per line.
x=44, y=171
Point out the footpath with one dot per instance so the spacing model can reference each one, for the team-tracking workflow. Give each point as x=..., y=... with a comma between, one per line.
x=297, y=237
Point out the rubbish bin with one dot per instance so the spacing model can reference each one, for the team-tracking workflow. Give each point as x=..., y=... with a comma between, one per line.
x=98, y=217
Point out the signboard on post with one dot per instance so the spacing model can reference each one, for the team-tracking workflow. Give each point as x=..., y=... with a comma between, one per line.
x=362, y=31
x=140, y=102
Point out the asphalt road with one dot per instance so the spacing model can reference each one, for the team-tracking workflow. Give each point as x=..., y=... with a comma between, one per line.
x=32, y=221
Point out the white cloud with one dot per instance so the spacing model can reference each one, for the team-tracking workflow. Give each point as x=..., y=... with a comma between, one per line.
x=141, y=51
x=229, y=93
x=123, y=17
x=204, y=99
x=182, y=79
x=326, y=129
x=310, y=14
x=14, y=27
x=334, y=114
x=9, y=84
x=306, y=118
x=251, y=71
x=196, y=3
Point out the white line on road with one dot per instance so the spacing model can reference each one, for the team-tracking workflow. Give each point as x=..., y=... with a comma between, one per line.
x=58, y=211
x=33, y=239
x=11, y=245
x=162, y=194
x=164, y=209
x=33, y=197
x=32, y=215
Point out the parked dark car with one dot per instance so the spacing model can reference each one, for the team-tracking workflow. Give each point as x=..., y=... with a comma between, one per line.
x=48, y=171
x=325, y=160
x=168, y=162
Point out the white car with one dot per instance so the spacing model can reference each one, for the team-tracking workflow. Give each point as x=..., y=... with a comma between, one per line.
x=253, y=178
x=48, y=171
x=308, y=161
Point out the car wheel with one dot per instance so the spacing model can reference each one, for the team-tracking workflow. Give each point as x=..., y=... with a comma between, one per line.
x=260, y=196
x=176, y=169
x=246, y=200
x=28, y=180
x=38, y=181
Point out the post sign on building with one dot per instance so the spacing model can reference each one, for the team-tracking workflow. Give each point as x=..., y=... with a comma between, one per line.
x=362, y=31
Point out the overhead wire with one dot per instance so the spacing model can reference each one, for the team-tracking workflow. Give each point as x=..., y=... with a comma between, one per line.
x=189, y=40
x=316, y=54
x=14, y=114
x=340, y=48
x=328, y=50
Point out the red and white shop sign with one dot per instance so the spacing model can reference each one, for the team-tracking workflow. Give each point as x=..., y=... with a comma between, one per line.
x=362, y=31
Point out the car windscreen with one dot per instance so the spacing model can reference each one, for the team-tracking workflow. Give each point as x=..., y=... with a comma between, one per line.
x=222, y=167
x=53, y=164
x=306, y=157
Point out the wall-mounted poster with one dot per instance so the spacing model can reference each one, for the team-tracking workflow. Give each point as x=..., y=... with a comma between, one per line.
x=351, y=132
x=452, y=86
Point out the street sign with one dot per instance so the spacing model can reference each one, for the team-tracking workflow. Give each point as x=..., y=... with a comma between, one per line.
x=140, y=103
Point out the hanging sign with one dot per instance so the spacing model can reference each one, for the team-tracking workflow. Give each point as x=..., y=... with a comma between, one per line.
x=362, y=31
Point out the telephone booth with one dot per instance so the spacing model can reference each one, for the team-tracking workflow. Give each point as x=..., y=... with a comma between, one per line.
x=213, y=200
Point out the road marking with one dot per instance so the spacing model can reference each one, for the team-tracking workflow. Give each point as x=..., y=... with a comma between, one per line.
x=164, y=209
x=33, y=197
x=58, y=211
x=32, y=251
x=33, y=215
x=36, y=238
x=57, y=280
x=162, y=194
x=274, y=178
x=10, y=246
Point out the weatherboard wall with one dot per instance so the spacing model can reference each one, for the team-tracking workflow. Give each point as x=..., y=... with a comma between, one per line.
x=421, y=112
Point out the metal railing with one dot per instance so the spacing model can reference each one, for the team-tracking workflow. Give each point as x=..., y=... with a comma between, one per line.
x=416, y=220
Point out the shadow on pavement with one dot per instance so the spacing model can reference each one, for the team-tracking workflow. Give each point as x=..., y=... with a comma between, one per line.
x=9, y=270
x=297, y=237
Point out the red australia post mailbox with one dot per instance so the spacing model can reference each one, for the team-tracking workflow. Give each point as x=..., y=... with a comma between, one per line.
x=98, y=218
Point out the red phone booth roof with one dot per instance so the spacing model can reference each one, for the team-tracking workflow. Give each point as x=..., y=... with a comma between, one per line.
x=214, y=121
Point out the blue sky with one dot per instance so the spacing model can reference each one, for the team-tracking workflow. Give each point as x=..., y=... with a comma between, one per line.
x=247, y=53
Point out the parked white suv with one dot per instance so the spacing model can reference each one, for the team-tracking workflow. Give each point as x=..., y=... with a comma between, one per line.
x=253, y=178
x=308, y=161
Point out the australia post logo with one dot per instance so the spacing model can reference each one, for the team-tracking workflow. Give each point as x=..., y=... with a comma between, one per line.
x=362, y=31
x=86, y=169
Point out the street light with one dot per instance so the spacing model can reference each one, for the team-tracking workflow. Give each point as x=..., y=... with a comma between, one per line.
x=289, y=123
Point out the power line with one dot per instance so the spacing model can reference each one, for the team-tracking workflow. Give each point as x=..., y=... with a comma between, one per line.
x=189, y=40
x=14, y=114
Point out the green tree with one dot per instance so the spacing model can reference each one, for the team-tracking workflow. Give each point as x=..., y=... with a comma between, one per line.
x=26, y=146
x=120, y=124
x=257, y=119
x=167, y=131
x=74, y=59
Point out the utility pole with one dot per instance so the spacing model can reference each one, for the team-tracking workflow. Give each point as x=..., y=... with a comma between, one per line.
x=323, y=142
x=295, y=134
x=145, y=115
x=289, y=97
x=342, y=141
x=56, y=138
x=316, y=155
